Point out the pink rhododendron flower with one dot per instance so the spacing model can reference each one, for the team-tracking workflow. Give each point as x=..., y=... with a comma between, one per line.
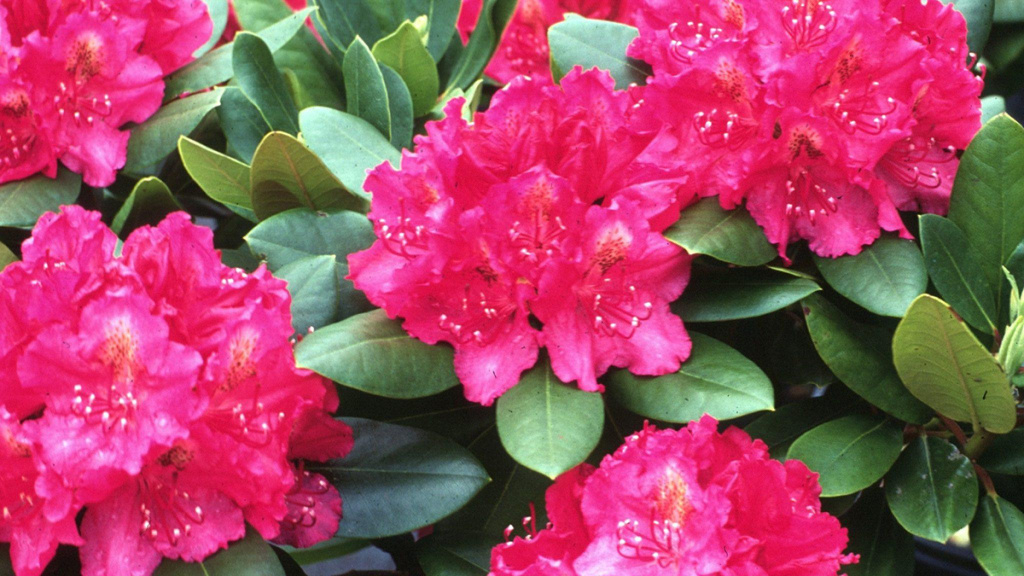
x=823, y=118
x=539, y=209
x=524, y=45
x=158, y=393
x=691, y=501
x=76, y=72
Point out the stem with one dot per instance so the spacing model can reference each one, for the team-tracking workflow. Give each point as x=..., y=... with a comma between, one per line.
x=978, y=443
x=956, y=430
x=986, y=480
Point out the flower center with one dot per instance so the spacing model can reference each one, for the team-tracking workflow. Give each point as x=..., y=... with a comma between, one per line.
x=119, y=349
x=670, y=501
x=86, y=56
x=17, y=129
x=242, y=366
x=611, y=248
x=804, y=140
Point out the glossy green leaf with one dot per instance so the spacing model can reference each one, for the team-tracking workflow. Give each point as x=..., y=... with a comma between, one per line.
x=997, y=537
x=992, y=106
x=404, y=52
x=223, y=178
x=730, y=236
x=589, y=43
x=979, y=14
x=286, y=174
x=7, y=257
x=716, y=380
x=736, y=294
x=150, y=201
x=988, y=198
x=850, y=453
x=313, y=67
x=442, y=16
x=218, y=14
x=455, y=554
x=397, y=479
x=349, y=19
x=299, y=233
x=347, y=144
x=494, y=17
x=258, y=77
x=314, y=285
x=549, y=426
x=242, y=122
x=932, y=490
x=779, y=429
x=1006, y=454
x=400, y=108
x=861, y=357
x=885, y=548
x=157, y=137
x=24, y=201
x=943, y=365
x=884, y=278
x=373, y=353
x=956, y=273
x=251, y=556
x=1009, y=11
x=215, y=67
x=365, y=89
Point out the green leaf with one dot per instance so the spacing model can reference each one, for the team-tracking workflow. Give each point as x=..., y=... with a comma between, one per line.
x=304, y=56
x=218, y=12
x=1005, y=455
x=494, y=17
x=365, y=88
x=992, y=106
x=404, y=52
x=549, y=426
x=7, y=257
x=442, y=16
x=997, y=537
x=1009, y=11
x=150, y=201
x=790, y=421
x=286, y=174
x=885, y=548
x=861, y=357
x=850, y=453
x=215, y=67
x=251, y=556
x=978, y=14
x=400, y=108
x=589, y=43
x=223, y=178
x=296, y=234
x=373, y=353
x=943, y=365
x=24, y=201
x=157, y=137
x=314, y=285
x=884, y=278
x=736, y=294
x=345, y=21
x=988, y=198
x=932, y=490
x=716, y=380
x=955, y=271
x=259, y=79
x=730, y=236
x=347, y=145
x=397, y=479
x=455, y=554
x=242, y=123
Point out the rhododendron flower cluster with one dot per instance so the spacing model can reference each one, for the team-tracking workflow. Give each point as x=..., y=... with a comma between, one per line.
x=533, y=226
x=74, y=73
x=686, y=502
x=158, y=392
x=825, y=117
x=524, y=46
